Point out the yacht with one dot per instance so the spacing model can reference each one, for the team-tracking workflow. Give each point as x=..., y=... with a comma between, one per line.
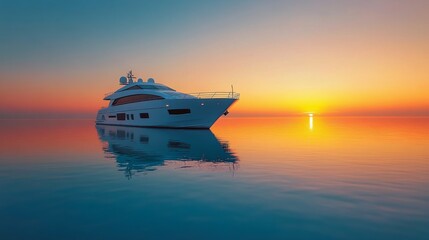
x=149, y=104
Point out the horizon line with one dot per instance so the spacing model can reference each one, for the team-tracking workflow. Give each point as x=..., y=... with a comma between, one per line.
x=90, y=116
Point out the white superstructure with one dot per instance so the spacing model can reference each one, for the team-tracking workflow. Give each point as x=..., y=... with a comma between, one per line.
x=149, y=104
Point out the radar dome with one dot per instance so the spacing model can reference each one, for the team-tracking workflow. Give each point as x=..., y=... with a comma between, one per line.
x=151, y=80
x=140, y=80
x=123, y=80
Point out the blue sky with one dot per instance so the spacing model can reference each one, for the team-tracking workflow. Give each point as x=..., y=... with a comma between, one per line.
x=36, y=32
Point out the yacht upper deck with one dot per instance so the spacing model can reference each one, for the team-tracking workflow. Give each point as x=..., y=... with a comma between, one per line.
x=150, y=87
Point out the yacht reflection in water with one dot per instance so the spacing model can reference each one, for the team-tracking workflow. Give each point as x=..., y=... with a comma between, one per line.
x=144, y=149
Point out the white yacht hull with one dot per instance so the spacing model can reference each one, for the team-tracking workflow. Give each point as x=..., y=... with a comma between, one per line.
x=202, y=113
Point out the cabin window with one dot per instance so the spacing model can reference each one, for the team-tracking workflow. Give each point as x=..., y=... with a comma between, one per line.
x=132, y=116
x=120, y=116
x=179, y=111
x=128, y=116
x=144, y=115
x=135, y=98
x=112, y=116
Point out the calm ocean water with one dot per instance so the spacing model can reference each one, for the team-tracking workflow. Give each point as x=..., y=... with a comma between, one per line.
x=246, y=178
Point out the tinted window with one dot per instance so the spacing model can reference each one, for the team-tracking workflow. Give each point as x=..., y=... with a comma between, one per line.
x=135, y=98
x=179, y=111
x=120, y=116
x=144, y=115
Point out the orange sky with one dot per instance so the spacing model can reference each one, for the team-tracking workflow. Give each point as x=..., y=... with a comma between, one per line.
x=333, y=59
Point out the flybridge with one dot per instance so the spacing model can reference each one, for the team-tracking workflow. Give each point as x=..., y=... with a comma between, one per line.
x=131, y=84
x=129, y=79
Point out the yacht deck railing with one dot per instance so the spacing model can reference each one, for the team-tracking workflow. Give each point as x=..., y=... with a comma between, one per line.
x=206, y=95
x=210, y=95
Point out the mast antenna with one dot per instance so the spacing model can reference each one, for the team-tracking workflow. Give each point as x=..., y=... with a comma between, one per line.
x=130, y=76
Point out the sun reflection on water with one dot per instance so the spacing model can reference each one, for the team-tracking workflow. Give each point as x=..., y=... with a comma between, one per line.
x=310, y=121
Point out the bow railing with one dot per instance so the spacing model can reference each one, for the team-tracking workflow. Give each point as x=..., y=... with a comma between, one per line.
x=210, y=95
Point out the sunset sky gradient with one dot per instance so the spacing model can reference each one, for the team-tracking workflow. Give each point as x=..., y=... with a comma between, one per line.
x=58, y=58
